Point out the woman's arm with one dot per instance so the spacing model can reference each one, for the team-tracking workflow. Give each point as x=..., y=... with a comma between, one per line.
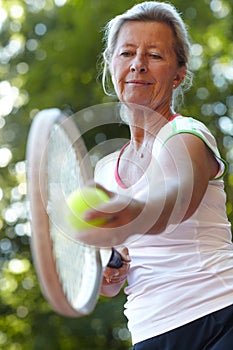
x=187, y=165
x=176, y=184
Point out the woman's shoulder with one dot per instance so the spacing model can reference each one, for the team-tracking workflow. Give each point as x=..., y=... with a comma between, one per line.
x=189, y=125
x=193, y=126
x=185, y=124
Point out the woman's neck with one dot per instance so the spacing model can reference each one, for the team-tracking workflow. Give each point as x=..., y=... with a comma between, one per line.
x=144, y=128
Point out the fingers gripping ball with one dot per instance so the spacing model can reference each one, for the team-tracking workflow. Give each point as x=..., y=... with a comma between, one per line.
x=80, y=201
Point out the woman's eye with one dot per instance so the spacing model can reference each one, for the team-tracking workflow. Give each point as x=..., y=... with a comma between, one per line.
x=126, y=53
x=155, y=56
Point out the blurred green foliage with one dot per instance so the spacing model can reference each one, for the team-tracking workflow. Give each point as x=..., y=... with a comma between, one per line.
x=50, y=57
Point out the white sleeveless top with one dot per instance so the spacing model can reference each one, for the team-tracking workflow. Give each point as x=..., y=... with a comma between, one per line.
x=186, y=271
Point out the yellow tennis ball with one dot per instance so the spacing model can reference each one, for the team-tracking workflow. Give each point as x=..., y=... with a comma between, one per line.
x=80, y=201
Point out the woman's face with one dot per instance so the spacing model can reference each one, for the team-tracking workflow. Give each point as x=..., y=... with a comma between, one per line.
x=144, y=65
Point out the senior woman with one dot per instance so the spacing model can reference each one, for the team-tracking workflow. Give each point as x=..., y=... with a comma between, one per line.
x=177, y=239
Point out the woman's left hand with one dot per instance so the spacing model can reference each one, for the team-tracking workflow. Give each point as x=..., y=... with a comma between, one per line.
x=121, y=215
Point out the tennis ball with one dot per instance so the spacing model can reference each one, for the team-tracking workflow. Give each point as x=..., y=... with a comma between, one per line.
x=80, y=201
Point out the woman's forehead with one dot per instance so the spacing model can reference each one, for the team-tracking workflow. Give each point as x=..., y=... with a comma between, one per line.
x=151, y=33
x=145, y=29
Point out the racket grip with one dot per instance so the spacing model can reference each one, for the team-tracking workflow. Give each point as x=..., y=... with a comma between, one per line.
x=115, y=260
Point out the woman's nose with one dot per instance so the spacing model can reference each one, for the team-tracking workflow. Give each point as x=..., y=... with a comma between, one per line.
x=138, y=65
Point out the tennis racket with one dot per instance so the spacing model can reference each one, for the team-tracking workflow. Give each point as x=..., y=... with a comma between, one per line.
x=69, y=272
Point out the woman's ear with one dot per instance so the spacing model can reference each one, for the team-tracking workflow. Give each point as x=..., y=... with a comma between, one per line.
x=181, y=74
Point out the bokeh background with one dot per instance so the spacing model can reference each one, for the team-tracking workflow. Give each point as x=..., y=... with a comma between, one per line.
x=50, y=57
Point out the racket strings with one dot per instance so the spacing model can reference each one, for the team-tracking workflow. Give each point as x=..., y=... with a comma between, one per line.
x=65, y=176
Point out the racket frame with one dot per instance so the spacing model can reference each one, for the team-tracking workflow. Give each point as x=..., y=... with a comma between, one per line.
x=41, y=243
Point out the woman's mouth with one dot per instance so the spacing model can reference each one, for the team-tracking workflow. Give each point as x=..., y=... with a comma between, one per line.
x=138, y=82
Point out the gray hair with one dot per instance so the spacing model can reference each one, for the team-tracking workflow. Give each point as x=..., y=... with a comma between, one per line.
x=149, y=11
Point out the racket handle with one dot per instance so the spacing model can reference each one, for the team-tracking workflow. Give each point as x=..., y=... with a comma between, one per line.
x=115, y=260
